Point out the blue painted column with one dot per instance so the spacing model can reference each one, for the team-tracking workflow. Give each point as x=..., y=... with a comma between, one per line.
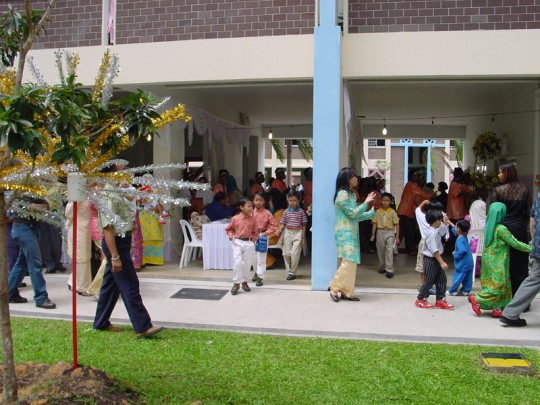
x=327, y=116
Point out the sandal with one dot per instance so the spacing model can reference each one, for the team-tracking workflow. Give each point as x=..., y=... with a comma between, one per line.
x=334, y=296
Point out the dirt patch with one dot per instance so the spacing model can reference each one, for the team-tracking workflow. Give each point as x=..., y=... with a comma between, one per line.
x=60, y=384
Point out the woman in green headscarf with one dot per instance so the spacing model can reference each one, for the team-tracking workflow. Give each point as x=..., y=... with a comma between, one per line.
x=496, y=287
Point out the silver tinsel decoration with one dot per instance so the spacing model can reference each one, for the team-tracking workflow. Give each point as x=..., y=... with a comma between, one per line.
x=149, y=168
x=162, y=103
x=69, y=62
x=21, y=209
x=34, y=69
x=112, y=73
x=59, y=65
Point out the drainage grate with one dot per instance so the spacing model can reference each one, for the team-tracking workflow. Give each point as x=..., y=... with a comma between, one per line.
x=200, y=294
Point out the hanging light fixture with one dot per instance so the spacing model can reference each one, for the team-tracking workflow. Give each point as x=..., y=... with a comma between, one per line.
x=384, y=130
x=270, y=135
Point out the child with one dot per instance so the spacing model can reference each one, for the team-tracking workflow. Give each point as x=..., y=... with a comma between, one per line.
x=496, y=286
x=434, y=265
x=294, y=222
x=463, y=260
x=242, y=231
x=424, y=228
x=386, y=227
x=266, y=226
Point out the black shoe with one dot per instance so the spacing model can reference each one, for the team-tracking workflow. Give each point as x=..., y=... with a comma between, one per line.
x=255, y=278
x=334, y=296
x=50, y=271
x=245, y=287
x=389, y=274
x=17, y=299
x=528, y=308
x=234, y=289
x=291, y=277
x=259, y=282
x=47, y=305
x=351, y=298
x=22, y=285
x=61, y=269
x=382, y=271
x=513, y=322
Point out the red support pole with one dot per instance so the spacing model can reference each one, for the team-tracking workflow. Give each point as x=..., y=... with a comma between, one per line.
x=74, y=285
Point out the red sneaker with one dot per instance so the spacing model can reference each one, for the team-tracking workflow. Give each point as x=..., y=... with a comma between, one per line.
x=423, y=304
x=443, y=304
x=496, y=313
x=474, y=305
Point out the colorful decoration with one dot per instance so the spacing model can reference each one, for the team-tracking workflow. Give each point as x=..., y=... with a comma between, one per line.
x=42, y=177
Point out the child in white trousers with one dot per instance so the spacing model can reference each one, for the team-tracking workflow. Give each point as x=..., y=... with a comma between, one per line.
x=242, y=231
x=266, y=226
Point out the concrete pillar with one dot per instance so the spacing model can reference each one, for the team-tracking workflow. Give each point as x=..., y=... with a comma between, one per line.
x=327, y=117
x=536, y=147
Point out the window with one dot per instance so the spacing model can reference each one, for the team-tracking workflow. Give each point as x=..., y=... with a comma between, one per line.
x=376, y=142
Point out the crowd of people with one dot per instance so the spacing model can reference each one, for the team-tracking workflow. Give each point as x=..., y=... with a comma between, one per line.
x=262, y=216
x=107, y=255
x=430, y=223
x=434, y=226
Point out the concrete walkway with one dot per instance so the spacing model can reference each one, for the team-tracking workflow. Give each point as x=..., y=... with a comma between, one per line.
x=293, y=309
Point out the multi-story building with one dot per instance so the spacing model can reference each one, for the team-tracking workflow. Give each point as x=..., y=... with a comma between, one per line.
x=426, y=70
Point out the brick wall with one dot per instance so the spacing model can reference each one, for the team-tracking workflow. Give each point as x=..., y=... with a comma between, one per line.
x=73, y=23
x=442, y=15
x=173, y=20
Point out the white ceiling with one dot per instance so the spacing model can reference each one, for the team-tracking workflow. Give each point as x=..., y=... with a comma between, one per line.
x=274, y=104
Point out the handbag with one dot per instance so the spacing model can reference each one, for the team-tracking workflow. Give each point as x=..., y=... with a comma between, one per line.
x=262, y=244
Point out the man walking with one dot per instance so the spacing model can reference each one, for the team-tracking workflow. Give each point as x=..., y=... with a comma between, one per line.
x=120, y=277
x=531, y=285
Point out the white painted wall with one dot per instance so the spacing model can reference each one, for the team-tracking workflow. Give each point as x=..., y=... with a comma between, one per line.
x=442, y=54
x=209, y=60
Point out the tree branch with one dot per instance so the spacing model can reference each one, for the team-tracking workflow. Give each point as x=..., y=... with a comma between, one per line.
x=32, y=35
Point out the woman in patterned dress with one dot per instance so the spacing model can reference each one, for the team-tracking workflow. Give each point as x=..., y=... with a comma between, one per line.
x=348, y=214
x=496, y=287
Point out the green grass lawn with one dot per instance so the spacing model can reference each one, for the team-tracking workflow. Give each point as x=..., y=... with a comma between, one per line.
x=181, y=366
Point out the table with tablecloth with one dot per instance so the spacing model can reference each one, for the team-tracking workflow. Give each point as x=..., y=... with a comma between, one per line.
x=217, y=248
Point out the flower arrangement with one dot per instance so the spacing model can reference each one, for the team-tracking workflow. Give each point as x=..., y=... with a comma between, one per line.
x=485, y=181
x=487, y=146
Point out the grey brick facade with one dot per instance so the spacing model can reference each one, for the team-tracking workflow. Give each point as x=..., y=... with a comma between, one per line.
x=73, y=23
x=77, y=23
x=175, y=20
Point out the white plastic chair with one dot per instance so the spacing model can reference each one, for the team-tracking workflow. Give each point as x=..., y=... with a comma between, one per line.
x=191, y=244
x=479, y=233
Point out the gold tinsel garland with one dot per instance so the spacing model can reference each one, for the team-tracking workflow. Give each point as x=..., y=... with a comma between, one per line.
x=101, y=76
x=38, y=190
x=177, y=113
x=7, y=83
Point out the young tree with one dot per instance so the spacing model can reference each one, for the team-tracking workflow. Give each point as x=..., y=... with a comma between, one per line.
x=48, y=131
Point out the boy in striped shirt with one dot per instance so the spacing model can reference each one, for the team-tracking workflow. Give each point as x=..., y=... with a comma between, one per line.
x=294, y=222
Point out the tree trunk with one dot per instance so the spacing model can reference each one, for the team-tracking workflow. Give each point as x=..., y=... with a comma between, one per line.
x=8, y=359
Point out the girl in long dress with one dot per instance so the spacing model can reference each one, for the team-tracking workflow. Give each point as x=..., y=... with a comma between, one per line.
x=496, y=287
x=348, y=214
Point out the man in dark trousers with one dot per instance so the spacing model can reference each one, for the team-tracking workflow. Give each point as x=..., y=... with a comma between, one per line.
x=120, y=277
x=24, y=233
